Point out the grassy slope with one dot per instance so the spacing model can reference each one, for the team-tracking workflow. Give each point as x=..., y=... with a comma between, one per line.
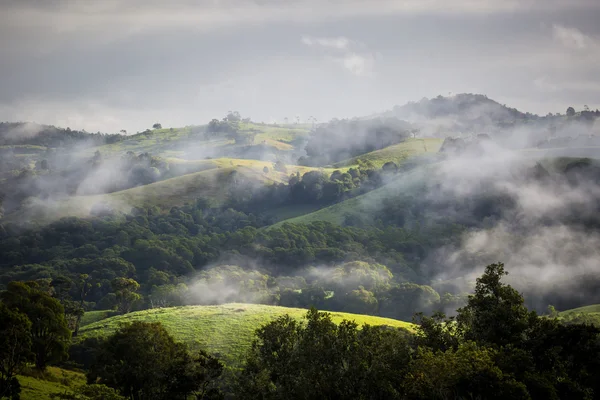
x=397, y=153
x=94, y=316
x=55, y=380
x=592, y=309
x=226, y=330
x=173, y=142
x=176, y=191
x=364, y=205
x=585, y=315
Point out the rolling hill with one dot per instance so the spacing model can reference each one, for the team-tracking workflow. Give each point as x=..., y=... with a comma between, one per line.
x=226, y=330
x=397, y=153
x=207, y=182
x=364, y=205
x=588, y=314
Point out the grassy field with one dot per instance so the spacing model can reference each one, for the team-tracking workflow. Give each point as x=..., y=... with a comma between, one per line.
x=593, y=309
x=54, y=381
x=207, y=183
x=364, y=205
x=397, y=153
x=94, y=316
x=174, y=142
x=226, y=330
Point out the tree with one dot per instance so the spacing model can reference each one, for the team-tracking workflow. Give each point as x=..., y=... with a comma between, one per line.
x=495, y=314
x=157, y=126
x=233, y=116
x=84, y=285
x=50, y=334
x=15, y=344
x=570, y=112
x=466, y=373
x=390, y=166
x=280, y=166
x=125, y=291
x=143, y=361
x=321, y=360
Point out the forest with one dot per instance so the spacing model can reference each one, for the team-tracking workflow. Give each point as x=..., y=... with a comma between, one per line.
x=494, y=348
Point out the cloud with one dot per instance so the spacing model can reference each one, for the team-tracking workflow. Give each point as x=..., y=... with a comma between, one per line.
x=572, y=38
x=340, y=43
x=112, y=20
x=351, y=55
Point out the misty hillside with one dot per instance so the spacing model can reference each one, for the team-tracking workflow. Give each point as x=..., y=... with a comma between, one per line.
x=242, y=199
x=466, y=114
x=371, y=219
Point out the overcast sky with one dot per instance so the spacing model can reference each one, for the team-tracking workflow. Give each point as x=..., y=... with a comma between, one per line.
x=125, y=64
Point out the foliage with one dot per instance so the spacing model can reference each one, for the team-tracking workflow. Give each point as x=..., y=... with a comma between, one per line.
x=319, y=359
x=547, y=358
x=15, y=344
x=226, y=330
x=125, y=293
x=90, y=392
x=143, y=361
x=50, y=334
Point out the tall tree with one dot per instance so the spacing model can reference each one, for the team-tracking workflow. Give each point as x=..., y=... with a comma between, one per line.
x=15, y=344
x=125, y=290
x=50, y=334
x=495, y=314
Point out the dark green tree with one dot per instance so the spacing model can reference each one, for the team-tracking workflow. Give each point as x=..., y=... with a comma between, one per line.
x=15, y=349
x=143, y=361
x=321, y=360
x=495, y=314
x=50, y=334
x=125, y=290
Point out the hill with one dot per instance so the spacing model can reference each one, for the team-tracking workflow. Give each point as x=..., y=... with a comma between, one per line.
x=209, y=182
x=364, y=206
x=397, y=153
x=588, y=314
x=226, y=330
x=191, y=142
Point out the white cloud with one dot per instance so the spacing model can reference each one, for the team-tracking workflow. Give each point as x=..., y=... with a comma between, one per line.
x=112, y=19
x=350, y=55
x=340, y=43
x=572, y=38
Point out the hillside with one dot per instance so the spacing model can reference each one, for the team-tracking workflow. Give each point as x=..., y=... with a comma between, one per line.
x=397, y=153
x=364, y=206
x=54, y=381
x=587, y=314
x=191, y=142
x=210, y=182
x=226, y=330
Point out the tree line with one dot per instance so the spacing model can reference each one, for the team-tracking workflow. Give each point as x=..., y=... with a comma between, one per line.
x=494, y=348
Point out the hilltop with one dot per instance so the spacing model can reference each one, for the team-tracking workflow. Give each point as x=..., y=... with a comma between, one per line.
x=226, y=330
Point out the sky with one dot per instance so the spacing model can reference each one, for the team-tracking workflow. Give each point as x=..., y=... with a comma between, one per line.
x=126, y=64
